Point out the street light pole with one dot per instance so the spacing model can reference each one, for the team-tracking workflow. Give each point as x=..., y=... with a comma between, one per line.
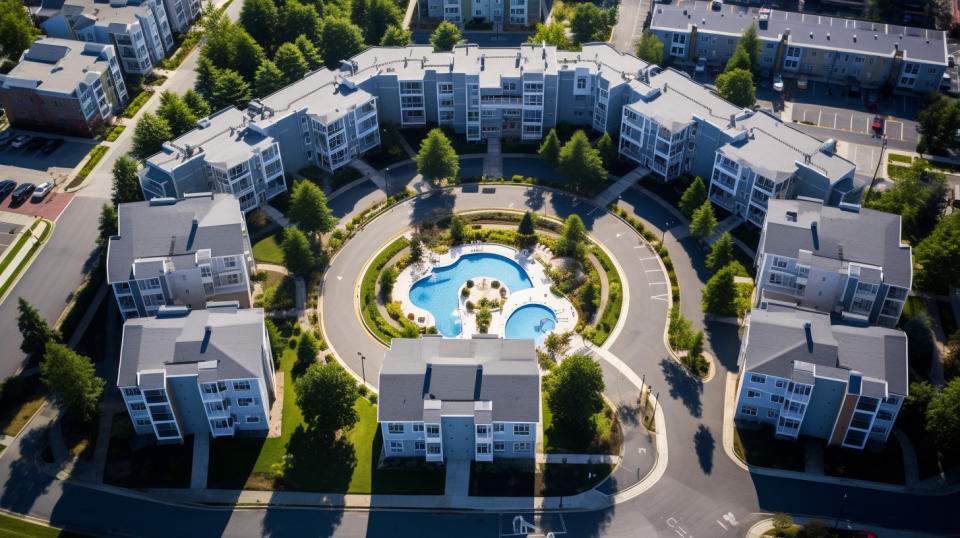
x=363, y=369
x=663, y=236
x=843, y=503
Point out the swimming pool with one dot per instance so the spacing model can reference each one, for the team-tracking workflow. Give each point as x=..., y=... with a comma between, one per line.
x=439, y=293
x=531, y=321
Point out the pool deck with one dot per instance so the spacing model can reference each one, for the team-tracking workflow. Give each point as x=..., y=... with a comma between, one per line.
x=538, y=294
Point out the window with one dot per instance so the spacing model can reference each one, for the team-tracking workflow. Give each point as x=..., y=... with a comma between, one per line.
x=433, y=430
x=753, y=394
x=419, y=446
x=892, y=400
x=143, y=422
x=521, y=447
x=138, y=406
x=884, y=415
x=498, y=427
x=498, y=446
x=771, y=413
x=253, y=419
x=750, y=411
x=483, y=449
x=754, y=378
x=134, y=391
x=244, y=402
x=418, y=428
x=483, y=430
x=433, y=448
x=395, y=428
x=776, y=399
x=581, y=83
x=879, y=429
x=779, y=383
x=241, y=385
x=521, y=429
x=396, y=446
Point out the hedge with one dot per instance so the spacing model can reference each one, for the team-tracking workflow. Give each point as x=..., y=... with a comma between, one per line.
x=368, y=298
x=137, y=104
x=96, y=154
x=611, y=312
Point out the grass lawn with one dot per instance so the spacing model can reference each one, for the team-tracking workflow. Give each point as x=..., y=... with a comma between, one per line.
x=13, y=526
x=607, y=440
x=761, y=448
x=895, y=157
x=912, y=308
x=267, y=250
x=885, y=466
x=153, y=466
x=19, y=400
x=295, y=461
x=523, y=478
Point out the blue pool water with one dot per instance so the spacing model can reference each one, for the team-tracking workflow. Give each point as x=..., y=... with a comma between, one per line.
x=531, y=321
x=439, y=293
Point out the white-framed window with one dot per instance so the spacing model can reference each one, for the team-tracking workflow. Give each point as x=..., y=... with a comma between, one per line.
x=753, y=394
x=751, y=411
x=483, y=448
x=244, y=402
x=419, y=445
x=433, y=430
x=521, y=429
x=396, y=446
x=135, y=391
x=417, y=428
x=394, y=428
x=138, y=406
x=581, y=83
x=483, y=429
x=433, y=448
x=521, y=446
x=241, y=385
x=498, y=446
x=143, y=422
x=779, y=383
x=497, y=427
x=776, y=399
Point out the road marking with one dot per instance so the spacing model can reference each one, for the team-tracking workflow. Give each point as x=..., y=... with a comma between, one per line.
x=851, y=123
x=721, y=524
x=730, y=518
x=662, y=297
x=642, y=450
x=652, y=270
x=655, y=283
x=339, y=277
x=510, y=204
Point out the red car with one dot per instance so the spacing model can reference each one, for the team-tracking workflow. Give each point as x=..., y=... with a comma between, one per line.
x=878, y=124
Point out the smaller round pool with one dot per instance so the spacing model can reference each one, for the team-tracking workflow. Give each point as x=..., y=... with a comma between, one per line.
x=531, y=321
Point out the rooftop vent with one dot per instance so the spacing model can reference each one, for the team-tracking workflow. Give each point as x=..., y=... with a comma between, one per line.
x=828, y=36
x=811, y=35
x=854, y=38
x=163, y=201
x=809, y=334
x=203, y=123
x=791, y=216
x=206, y=339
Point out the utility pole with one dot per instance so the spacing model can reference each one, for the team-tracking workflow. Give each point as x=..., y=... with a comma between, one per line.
x=883, y=147
x=363, y=369
x=843, y=503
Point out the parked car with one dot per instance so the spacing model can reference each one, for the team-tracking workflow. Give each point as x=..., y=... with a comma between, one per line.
x=6, y=187
x=23, y=192
x=777, y=83
x=20, y=141
x=52, y=145
x=877, y=125
x=36, y=143
x=701, y=65
x=6, y=137
x=42, y=191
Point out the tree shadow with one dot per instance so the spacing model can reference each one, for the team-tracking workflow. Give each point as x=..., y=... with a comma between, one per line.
x=704, y=444
x=628, y=414
x=724, y=341
x=683, y=386
x=26, y=482
x=403, y=476
x=698, y=257
x=433, y=204
x=316, y=461
x=535, y=199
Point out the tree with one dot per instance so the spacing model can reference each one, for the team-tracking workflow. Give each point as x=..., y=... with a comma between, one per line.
x=679, y=332
x=920, y=343
x=720, y=294
x=229, y=89
x=590, y=23
x=326, y=394
x=310, y=52
x=107, y=226
x=290, y=62
x=937, y=124
x=527, y=224
x=445, y=37
x=696, y=346
x=457, y=229
x=557, y=344
x=396, y=36
x=721, y=253
x=229, y=46
x=126, y=182
x=737, y=87
x=817, y=529
x=589, y=297
x=301, y=19
x=341, y=40
x=573, y=238
x=484, y=317
x=269, y=78
x=693, y=198
x=650, y=48
x=196, y=103
x=149, y=135
x=17, y=31
x=607, y=150
x=297, y=256
x=581, y=163
x=206, y=76
x=554, y=33
x=550, y=149
x=178, y=115
x=308, y=209
x=751, y=44
x=937, y=257
x=416, y=249
x=307, y=351
x=358, y=12
x=704, y=222
x=943, y=417
x=951, y=360
x=918, y=196
x=913, y=412
x=34, y=329
x=574, y=394
x=739, y=60
x=72, y=376
x=381, y=14
x=261, y=19
x=437, y=159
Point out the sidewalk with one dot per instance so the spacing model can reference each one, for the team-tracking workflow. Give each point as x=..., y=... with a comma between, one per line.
x=614, y=191
x=275, y=215
x=759, y=528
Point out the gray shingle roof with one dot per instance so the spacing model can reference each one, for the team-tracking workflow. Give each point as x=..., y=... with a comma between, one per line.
x=842, y=237
x=174, y=342
x=58, y=65
x=503, y=372
x=162, y=228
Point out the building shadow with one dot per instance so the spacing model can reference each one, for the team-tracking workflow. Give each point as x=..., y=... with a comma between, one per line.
x=349, y=201
x=724, y=341
x=298, y=522
x=683, y=386
x=697, y=252
x=704, y=444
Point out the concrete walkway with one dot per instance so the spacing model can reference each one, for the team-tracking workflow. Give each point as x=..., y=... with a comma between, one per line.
x=457, y=479
x=275, y=215
x=370, y=173
x=614, y=191
x=493, y=159
x=201, y=461
x=724, y=226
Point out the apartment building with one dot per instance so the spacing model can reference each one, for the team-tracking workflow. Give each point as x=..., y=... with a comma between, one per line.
x=501, y=12
x=225, y=153
x=834, y=260
x=197, y=372
x=139, y=30
x=181, y=13
x=820, y=375
x=476, y=399
x=179, y=252
x=65, y=86
x=802, y=47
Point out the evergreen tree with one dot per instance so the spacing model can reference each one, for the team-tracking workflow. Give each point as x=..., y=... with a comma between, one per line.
x=650, y=48
x=302, y=19
x=178, y=115
x=416, y=249
x=261, y=19
x=437, y=159
x=721, y=253
x=229, y=46
x=550, y=149
x=149, y=135
x=526, y=224
x=34, y=329
x=341, y=40
x=269, y=78
x=326, y=394
x=126, y=182
x=737, y=87
x=751, y=43
x=74, y=378
x=290, y=62
x=396, y=37
x=704, y=222
x=358, y=12
x=196, y=103
x=307, y=351
x=589, y=297
x=229, y=89
x=107, y=226
x=720, y=294
x=381, y=14
x=581, y=163
x=445, y=37
x=206, y=76
x=308, y=209
x=297, y=256
x=607, y=149
x=17, y=31
x=554, y=33
x=693, y=197
x=458, y=229
x=918, y=196
x=310, y=52
x=573, y=238
x=739, y=60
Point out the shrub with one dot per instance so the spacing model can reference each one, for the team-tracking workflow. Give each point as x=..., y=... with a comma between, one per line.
x=387, y=279
x=373, y=399
x=469, y=283
x=470, y=306
x=371, y=314
x=495, y=284
x=363, y=390
x=465, y=292
x=394, y=310
x=292, y=343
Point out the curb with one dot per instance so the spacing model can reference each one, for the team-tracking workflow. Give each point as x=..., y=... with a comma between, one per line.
x=33, y=257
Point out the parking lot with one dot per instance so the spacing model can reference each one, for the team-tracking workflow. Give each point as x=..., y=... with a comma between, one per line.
x=23, y=165
x=49, y=208
x=8, y=232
